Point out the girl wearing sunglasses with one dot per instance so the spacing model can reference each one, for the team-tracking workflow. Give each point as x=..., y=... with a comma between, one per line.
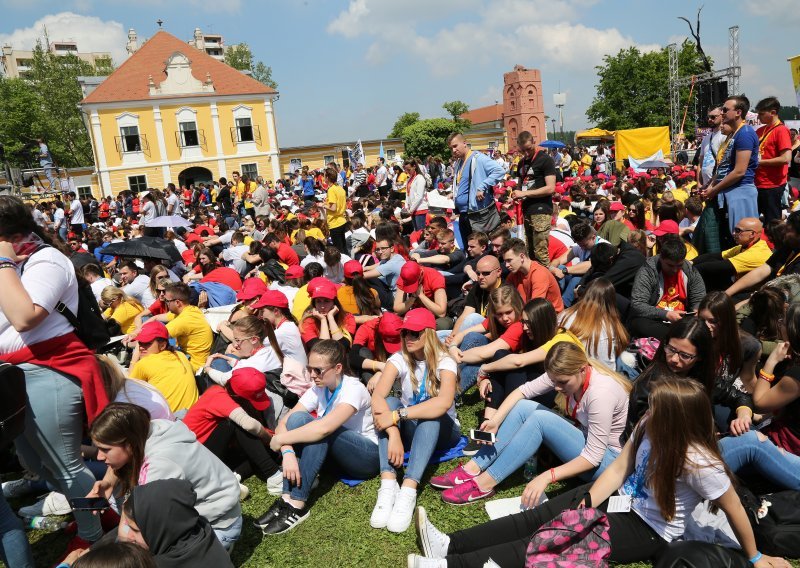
x=422, y=419
x=343, y=430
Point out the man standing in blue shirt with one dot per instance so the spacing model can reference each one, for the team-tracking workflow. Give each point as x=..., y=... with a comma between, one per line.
x=473, y=183
x=734, y=183
x=46, y=162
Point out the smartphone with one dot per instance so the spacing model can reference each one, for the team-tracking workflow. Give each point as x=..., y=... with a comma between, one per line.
x=481, y=436
x=89, y=504
x=687, y=314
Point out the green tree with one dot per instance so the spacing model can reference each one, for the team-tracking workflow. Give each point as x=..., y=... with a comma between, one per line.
x=241, y=57
x=104, y=67
x=633, y=88
x=455, y=109
x=20, y=110
x=403, y=121
x=429, y=137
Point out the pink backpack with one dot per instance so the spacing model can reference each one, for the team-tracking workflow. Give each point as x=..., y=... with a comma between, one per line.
x=577, y=538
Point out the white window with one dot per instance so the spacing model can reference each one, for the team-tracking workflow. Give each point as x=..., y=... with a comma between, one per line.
x=391, y=154
x=244, y=130
x=129, y=139
x=328, y=159
x=295, y=164
x=188, y=134
x=137, y=183
x=250, y=170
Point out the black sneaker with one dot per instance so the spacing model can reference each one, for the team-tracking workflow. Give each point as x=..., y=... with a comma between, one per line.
x=471, y=448
x=281, y=517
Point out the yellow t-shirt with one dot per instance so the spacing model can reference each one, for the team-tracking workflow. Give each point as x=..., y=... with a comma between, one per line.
x=171, y=373
x=751, y=258
x=193, y=334
x=348, y=299
x=312, y=232
x=301, y=302
x=680, y=195
x=563, y=335
x=337, y=196
x=124, y=315
x=401, y=179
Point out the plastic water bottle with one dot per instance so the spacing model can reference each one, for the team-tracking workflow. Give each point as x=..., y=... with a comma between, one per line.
x=531, y=468
x=49, y=524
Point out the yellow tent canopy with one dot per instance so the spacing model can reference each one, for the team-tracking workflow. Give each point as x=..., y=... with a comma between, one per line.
x=595, y=133
x=641, y=142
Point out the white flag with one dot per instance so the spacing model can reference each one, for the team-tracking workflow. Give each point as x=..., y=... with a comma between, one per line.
x=357, y=156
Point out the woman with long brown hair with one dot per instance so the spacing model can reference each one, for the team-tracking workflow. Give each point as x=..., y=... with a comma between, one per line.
x=670, y=465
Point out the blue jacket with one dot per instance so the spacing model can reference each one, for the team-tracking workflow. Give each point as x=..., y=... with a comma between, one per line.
x=481, y=173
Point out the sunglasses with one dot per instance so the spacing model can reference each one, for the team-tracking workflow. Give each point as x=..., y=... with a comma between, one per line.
x=485, y=273
x=410, y=335
x=318, y=371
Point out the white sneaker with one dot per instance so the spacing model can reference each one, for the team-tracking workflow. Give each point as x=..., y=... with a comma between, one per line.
x=403, y=510
x=432, y=541
x=54, y=503
x=417, y=561
x=244, y=492
x=19, y=487
x=275, y=483
x=384, y=505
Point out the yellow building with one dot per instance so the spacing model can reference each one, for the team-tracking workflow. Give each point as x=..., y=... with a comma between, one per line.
x=317, y=156
x=172, y=113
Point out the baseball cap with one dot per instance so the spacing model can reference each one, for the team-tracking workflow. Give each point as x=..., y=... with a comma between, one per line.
x=389, y=330
x=668, y=227
x=353, y=268
x=320, y=287
x=251, y=288
x=616, y=206
x=250, y=384
x=273, y=299
x=419, y=319
x=152, y=330
x=294, y=271
x=409, y=277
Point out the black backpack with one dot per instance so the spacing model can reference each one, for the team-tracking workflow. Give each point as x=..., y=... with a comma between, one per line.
x=775, y=519
x=90, y=327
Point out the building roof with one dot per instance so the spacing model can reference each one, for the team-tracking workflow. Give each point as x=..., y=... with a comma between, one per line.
x=130, y=81
x=491, y=113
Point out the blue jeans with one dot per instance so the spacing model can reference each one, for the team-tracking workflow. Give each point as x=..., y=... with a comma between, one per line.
x=773, y=463
x=14, y=548
x=740, y=202
x=424, y=437
x=419, y=221
x=228, y=536
x=51, y=443
x=354, y=453
x=527, y=426
x=469, y=371
x=568, y=285
x=469, y=321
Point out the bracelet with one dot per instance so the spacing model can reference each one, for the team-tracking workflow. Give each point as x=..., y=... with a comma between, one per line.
x=395, y=417
x=8, y=265
x=552, y=475
x=746, y=407
x=6, y=259
x=756, y=558
x=769, y=377
x=284, y=452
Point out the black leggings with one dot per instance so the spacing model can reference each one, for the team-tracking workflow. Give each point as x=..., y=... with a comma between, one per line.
x=505, y=540
x=717, y=272
x=338, y=239
x=228, y=437
x=505, y=382
x=646, y=327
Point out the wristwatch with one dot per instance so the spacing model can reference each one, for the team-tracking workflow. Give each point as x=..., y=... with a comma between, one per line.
x=402, y=413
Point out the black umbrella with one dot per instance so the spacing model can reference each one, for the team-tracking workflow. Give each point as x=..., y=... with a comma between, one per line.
x=145, y=247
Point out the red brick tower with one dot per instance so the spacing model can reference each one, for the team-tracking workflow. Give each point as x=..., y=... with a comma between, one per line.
x=523, y=104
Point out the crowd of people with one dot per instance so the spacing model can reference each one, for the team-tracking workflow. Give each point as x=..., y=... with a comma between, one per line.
x=636, y=332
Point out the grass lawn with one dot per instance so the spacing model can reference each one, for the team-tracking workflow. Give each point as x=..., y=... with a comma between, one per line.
x=337, y=533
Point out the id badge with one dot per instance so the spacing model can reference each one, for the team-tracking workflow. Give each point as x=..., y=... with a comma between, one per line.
x=619, y=504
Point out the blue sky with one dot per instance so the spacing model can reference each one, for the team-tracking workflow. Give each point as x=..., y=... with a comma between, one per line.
x=347, y=69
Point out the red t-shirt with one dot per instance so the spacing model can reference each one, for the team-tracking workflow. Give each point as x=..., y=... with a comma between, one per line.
x=512, y=335
x=104, y=210
x=432, y=280
x=157, y=308
x=200, y=229
x=773, y=141
x=537, y=283
x=310, y=327
x=366, y=334
x=214, y=406
x=674, y=296
x=224, y=275
x=287, y=255
x=555, y=248
x=188, y=256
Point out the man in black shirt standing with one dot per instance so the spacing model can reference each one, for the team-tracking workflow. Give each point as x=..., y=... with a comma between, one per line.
x=535, y=186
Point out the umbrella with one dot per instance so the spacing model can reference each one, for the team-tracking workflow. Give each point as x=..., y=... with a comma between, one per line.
x=169, y=221
x=649, y=164
x=145, y=247
x=552, y=144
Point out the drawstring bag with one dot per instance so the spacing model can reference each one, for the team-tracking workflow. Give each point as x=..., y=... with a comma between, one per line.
x=576, y=538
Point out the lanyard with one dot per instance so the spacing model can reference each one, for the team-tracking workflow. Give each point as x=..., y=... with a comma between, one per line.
x=763, y=139
x=330, y=397
x=422, y=393
x=461, y=171
x=584, y=388
x=724, y=146
x=788, y=263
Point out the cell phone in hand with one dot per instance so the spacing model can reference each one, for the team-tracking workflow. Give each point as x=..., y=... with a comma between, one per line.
x=481, y=436
x=89, y=504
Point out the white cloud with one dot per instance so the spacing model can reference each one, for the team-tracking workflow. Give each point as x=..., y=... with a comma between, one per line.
x=493, y=94
x=89, y=32
x=780, y=12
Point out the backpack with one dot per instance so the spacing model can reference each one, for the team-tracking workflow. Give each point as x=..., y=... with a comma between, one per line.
x=90, y=327
x=575, y=538
x=13, y=402
x=775, y=518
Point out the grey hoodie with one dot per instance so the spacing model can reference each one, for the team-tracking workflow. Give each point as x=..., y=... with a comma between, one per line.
x=173, y=452
x=648, y=287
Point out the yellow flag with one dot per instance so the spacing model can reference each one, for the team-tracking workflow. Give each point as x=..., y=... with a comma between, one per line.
x=794, y=63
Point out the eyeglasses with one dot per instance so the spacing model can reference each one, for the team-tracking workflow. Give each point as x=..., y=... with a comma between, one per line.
x=318, y=371
x=238, y=342
x=738, y=230
x=485, y=273
x=167, y=300
x=686, y=357
x=410, y=335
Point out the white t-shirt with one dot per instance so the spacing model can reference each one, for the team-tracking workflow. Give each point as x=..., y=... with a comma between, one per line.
x=137, y=288
x=48, y=278
x=580, y=254
x=231, y=254
x=225, y=238
x=602, y=345
x=310, y=258
x=288, y=336
x=98, y=285
x=173, y=204
x=335, y=273
x=148, y=212
x=701, y=479
x=407, y=393
x=148, y=397
x=353, y=393
x=58, y=218
x=76, y=212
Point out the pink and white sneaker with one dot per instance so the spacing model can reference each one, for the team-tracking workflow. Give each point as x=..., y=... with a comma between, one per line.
x=465, y=493
x=452, y=478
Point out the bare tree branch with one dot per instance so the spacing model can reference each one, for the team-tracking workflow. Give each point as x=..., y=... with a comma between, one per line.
x=696, y=36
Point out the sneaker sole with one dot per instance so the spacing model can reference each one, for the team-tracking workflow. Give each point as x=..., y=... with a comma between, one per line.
x=469, y=452
x=481, y=498
x=420, y=518
x=294, y=526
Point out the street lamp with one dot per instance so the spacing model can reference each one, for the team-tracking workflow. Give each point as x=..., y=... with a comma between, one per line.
x=553, y=120
x=560, y=100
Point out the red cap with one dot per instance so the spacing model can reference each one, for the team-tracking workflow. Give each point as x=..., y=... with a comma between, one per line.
x=192, y=238
x=353, y=268
x=152, y=330
x=586, y=178
x=616, y=206
x=250, y=384
x=419, y=319
x=72, y=235
x=409, y=277
x=602, y=176
x=668, y=227
x=320, y=287
x=608, y=185
x=389, y=330
x=251, y=288
x=653, y=172
x=294, y=271
x=273, y=299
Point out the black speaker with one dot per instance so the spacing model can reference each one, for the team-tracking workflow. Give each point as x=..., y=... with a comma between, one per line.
x=710, y=94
